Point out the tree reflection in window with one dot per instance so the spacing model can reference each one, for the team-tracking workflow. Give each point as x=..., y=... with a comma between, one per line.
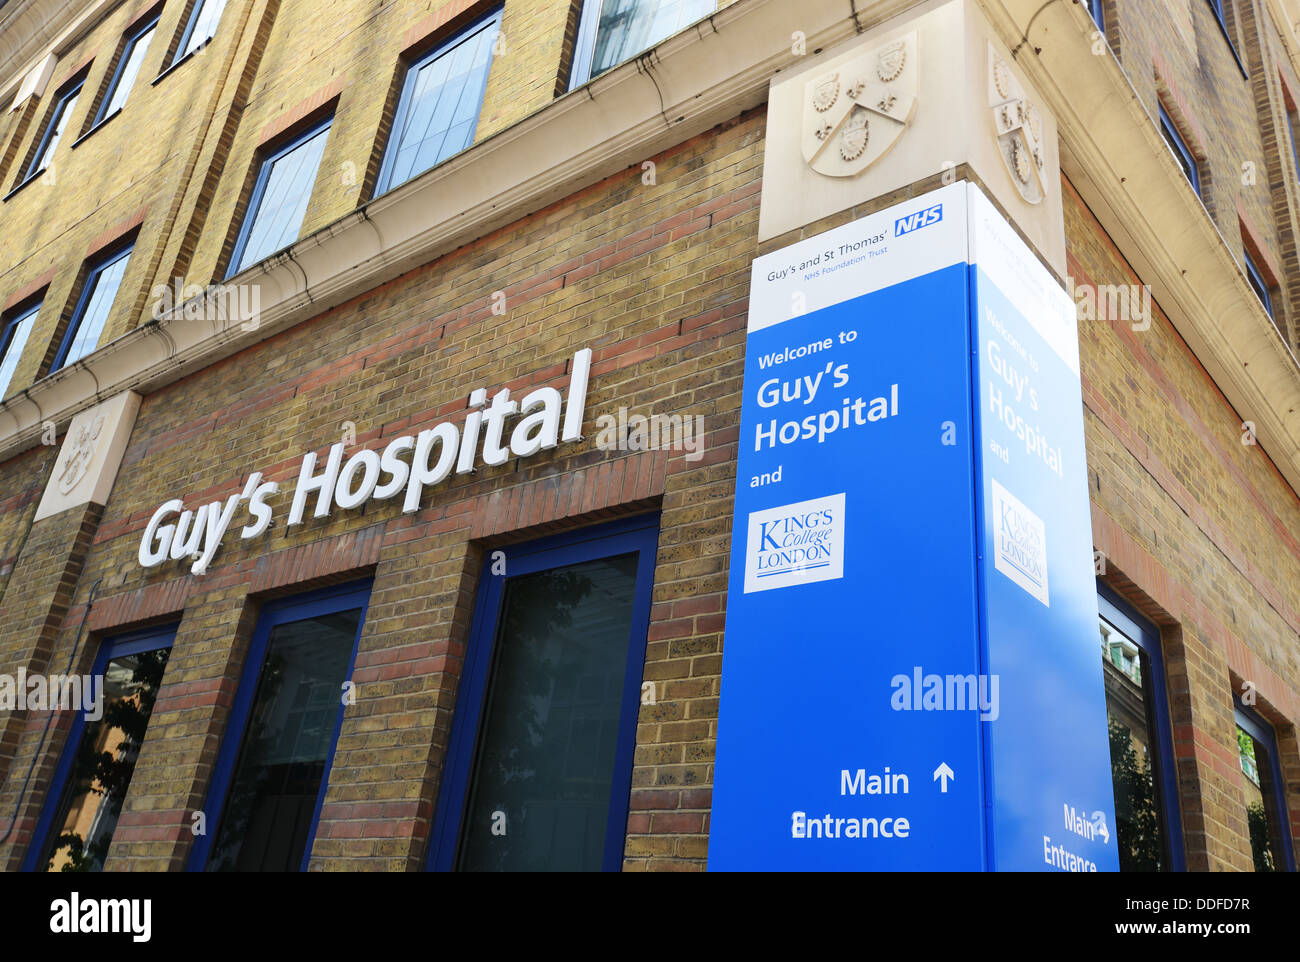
x=1258, y=788
x=1137, y=820
x=1139, y=823
x=104, y=763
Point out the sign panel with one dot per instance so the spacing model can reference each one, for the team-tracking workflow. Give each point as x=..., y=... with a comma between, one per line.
x=888, y=701
x=1049, y=754
x=851, y=613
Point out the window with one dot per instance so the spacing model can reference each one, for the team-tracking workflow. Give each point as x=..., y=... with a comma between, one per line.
x=1290, y=132
x=94, y=773
x=1270, y=844
x=1181, y=152
x=279, y=200
x=539, y=764
x=1141, y=744
x=1098, y=16
x=14, y=331
x=616, y=30
x=200, y=28
x=93, y=307
x=1216, y=7
x=1257, y=282
x=64, y=104
x=270, y=775
x=440, y=103
x=128, y=68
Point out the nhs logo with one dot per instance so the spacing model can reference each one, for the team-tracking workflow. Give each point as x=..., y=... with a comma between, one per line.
x=795, y=544
x=922, y=218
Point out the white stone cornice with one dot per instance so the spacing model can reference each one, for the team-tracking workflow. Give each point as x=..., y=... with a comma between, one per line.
x=30, y=30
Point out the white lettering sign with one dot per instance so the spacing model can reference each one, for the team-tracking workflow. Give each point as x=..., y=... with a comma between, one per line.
x=546, y=419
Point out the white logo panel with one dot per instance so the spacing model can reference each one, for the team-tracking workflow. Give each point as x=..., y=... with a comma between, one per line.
x=1020, y=543
x=795, y=544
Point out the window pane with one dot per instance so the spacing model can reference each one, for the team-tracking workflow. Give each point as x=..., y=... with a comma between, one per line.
x=13, y=339
x=205, y=18
x=440, y=106
x=105, y=761
x=103, y=285
x=131, y=69
x=1257, y=282
x=1134, y=760
x=1262, y=818
x=279, y=211
x=550, y=722
x=1290, y=130
x=272, y=798
x=1180, y=151
x=628, y=27
x=59, y=123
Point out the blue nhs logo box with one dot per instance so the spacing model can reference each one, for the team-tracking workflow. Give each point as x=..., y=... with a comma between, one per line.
x=912, y=674
x=922, y=218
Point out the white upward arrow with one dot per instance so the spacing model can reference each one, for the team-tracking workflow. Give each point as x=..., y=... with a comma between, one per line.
x=945, y=773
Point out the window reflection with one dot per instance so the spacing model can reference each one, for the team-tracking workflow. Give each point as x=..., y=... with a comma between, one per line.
x=105, y=761
x=628, y=27
x=540, y=793
x=1262, y=820
x=272, y=800
x=1140, y=830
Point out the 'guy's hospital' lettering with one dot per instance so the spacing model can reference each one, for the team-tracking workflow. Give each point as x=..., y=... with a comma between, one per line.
x=546, y=419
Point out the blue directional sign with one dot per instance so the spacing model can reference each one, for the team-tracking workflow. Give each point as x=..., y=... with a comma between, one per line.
x=1049, y=754
x=868, y=653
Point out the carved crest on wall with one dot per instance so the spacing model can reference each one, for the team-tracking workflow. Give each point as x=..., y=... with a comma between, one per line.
x=79, y=453
x=1019, y=128
x=852, y=115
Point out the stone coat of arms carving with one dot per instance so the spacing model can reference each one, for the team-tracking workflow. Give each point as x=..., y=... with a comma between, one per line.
x=853, y=114
x=79, y=454
x=1019, y=129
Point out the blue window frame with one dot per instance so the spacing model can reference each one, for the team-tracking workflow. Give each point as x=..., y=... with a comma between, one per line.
x=201, y=26
x=539, y=761
x=1257, y=282
x=1098, y=15
x=94, y=772
x=1182, y=153
x=15, y=328
x=612, y=31
x=128, y=69
x=93, y=307
x=1216, y=7
x=1267, y=815
x=440, y=103
x=273, y=766
x=65, y=103
x=280, y=196
x=1290, y=132
x=1147, y=830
